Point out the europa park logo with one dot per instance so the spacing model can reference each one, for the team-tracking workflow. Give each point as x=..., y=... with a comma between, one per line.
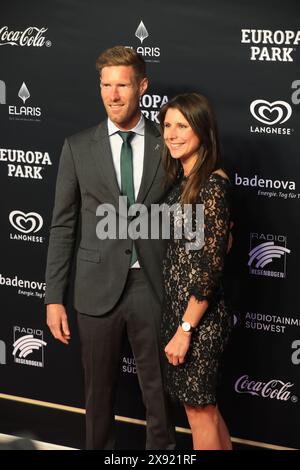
x=149, y=52
x=30, y=37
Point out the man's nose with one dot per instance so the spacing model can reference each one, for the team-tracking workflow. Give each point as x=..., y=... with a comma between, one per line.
x=114, y=94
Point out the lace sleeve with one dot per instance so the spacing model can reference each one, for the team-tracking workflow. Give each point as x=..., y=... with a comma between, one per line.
x=210, y=259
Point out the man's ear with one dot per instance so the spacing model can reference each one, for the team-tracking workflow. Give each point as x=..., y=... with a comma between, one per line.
x=143, y=85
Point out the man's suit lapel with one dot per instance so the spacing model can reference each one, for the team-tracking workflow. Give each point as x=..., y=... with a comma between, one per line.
x=101, y=152
x=102, y=157
x=152, y=158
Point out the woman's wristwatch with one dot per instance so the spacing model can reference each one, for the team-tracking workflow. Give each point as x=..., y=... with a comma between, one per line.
x=186, y=326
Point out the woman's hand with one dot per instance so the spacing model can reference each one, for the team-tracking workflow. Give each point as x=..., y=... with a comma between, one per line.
x=178, y=346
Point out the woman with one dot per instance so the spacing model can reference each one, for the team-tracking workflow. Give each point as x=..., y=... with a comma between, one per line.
x=196, y=323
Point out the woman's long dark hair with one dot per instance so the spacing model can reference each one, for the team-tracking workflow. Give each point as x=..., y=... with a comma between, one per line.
x=198, y=112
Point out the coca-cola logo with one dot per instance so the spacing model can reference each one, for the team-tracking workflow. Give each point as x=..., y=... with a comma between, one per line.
x=31, y=36
x=273, y=389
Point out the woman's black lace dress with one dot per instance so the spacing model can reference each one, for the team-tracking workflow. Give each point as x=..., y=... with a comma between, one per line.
x=198, y=273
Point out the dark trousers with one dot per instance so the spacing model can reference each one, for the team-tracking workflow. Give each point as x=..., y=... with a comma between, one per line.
x=139, y=314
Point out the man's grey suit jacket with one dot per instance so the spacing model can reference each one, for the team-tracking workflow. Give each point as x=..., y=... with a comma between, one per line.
x=86, y=178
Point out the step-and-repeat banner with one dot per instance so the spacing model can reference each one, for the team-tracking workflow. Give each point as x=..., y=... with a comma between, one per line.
x=245, y=57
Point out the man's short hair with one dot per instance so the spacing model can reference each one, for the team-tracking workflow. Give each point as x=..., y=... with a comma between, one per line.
x=120, y=55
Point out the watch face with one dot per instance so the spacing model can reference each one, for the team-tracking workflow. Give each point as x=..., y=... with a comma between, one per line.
x=186, y=326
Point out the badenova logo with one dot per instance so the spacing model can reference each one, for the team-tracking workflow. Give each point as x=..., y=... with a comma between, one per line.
x=151, y=104
x=29, y=37
x=150, y=52
x=28, y=342
x=268, y=187
x=273, y=389
x=25, y=163
x=24, y=286
x=267, y=45
x=265, y=250
x=29, y=223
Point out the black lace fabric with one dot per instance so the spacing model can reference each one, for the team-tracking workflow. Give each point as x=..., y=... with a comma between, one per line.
x=198, y=273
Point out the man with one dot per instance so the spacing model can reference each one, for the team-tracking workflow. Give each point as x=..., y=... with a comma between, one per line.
x=118, y=285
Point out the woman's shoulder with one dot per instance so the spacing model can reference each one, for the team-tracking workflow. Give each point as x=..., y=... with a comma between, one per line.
x=219, y=173
x=217, y=178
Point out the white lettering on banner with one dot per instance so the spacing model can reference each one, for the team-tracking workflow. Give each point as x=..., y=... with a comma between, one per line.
x=129, y=365
x=273, y=389
x=255, y=181
x=32, y=159
x=271, y=323
x=155, y=102
x=2, y=352
x=24, y=111
x=266, y=36
x=273, y=39
x=19, y=156
x=270, y=130
x=296, y=354
x=26, y=238
x=148, y=51
x=31, y=36
x=24, y=283
x=296, y=94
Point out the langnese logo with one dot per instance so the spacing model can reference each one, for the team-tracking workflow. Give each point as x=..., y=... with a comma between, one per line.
x=25, y=224
x=2, y=352
x=151, y=104
x=22, y=112
x=32, y=289
x=267, y=255
x=267, y=45
x=25, y=163
x=150, y=52
x=273, y=389
x=29, y=37
x=272, y=114
x=28, y=346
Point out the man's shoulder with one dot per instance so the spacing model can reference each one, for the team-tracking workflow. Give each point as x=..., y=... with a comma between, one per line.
x=87, y=135
x=152, y=127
